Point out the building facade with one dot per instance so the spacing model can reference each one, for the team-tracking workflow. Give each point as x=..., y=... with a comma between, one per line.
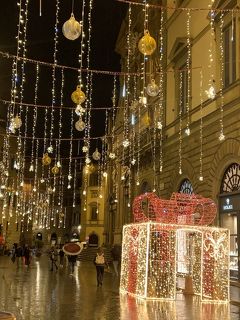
x=186, y=138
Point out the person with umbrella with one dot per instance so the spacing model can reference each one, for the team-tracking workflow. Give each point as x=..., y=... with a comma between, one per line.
x=72, y=250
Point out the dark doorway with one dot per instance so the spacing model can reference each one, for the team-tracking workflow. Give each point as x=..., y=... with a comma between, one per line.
x=93, y=240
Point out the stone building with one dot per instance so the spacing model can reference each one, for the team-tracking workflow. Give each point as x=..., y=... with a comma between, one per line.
x=187, y=137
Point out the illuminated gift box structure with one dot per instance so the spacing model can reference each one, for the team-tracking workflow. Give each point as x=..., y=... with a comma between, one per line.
x=170, y=238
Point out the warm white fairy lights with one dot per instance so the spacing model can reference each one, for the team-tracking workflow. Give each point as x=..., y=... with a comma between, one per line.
x=180, y=124
x=151, y=259
x=188, y=102
x=211, y=91
x=221, y=136
x=54, y=74
x=201, y=128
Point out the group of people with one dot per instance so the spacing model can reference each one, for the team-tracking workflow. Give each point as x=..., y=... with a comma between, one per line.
x=55, y=253
x=19, y=253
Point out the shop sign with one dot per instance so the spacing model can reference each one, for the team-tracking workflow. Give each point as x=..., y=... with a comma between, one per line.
x=229, y=203
x=228, y=206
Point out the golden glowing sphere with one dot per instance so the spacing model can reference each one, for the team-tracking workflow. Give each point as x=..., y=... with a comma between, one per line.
x=152, y=89
x=46, y=160
x=147, y=44
x=71, y=28
x=78, y=96
x=55, y=169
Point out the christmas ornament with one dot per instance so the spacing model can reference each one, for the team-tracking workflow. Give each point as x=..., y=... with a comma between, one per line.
x=80, y=125
x=50, y=149
x=17, y=122
x=85, y=148
x=78, y=96
x=152, y=89
x=143, y=100
x=126, y=143
x=79, y=110
x=147, y=44
x=71, y=28
x=112, y=155
x=55, y=169
x=96, y=155
x=211, y=93
x=88, y=160
x=46, y=160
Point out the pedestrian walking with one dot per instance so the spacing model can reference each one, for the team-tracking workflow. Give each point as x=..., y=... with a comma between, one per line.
x=61, y=257
x=53, y=258
x=116, y=257
x=19, y=253
x=26, y=254
x=72, y=260
x=99, y=261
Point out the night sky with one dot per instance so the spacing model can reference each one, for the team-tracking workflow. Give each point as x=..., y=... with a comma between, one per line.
x=107, y=16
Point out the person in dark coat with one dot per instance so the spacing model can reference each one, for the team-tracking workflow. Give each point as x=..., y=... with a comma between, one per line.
x=26, y=254
x=116, y=257
x=72, y=260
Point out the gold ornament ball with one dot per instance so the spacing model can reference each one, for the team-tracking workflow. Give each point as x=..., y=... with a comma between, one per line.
x=147, y=44
x=55, y=169
x=96, y=155
x=152, y=89
x=78, y=96
x=71, y=28
x=80, y=125
x=46, y=160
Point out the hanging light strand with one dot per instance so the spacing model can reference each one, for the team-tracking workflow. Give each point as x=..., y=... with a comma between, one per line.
x=82, y=46
x=70, y=155
x=54, y=72
x=221, y=135
x=161, y=91
x=188, y=102
x=34, y=115
x=60, y=115
x=180, y=125
x=201, y=128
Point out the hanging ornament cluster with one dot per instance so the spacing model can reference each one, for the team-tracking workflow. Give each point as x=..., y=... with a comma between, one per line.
x=152, y=89
x=55, y=169
x=96, y=155
x=80, y=125
x=78, y=96
x=15, y=123
x=46, y=160
x=147, y=44
x=71, y=28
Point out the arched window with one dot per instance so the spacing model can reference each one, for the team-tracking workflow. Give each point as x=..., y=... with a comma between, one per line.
x=93, y=211
x=145, y=187
x=231, y=179
x=186, y=187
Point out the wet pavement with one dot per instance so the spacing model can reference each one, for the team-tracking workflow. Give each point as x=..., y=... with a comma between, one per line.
x=39, y=294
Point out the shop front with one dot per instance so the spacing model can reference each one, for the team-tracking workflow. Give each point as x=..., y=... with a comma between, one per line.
x=229, y=213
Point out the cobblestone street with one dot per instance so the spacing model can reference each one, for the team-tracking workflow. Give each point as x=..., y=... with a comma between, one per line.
x=40, y=294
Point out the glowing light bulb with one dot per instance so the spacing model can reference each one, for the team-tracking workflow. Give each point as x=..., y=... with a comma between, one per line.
x=84, y=192
x=133, y=161
x=201, y=178
x=126, y=143
x=211, y=93
x=221, y=137
x=187, y=131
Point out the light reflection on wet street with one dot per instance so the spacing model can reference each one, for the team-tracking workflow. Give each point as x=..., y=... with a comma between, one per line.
x=40, y=294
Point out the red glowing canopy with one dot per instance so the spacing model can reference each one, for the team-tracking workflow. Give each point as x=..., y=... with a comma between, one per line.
x=189, y=209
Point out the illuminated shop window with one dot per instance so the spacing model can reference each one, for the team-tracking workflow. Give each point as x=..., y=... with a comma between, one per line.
x=231, y=179
x=186, y=187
